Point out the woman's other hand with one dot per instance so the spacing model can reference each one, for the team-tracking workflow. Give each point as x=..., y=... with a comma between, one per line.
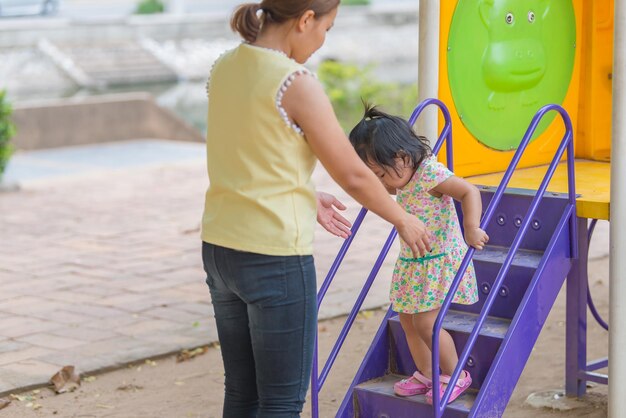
x=329, y=218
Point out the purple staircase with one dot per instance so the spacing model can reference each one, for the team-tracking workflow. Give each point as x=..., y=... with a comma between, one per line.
x=506, y=338
x=519, y=275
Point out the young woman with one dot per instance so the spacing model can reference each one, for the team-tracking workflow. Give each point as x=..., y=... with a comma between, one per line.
x=269, y=121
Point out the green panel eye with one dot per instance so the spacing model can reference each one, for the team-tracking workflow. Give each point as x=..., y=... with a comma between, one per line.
x=510, y=18
x=531, y=16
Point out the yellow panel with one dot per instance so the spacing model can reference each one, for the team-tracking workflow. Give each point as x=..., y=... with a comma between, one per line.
x=593, y=185
x=470, y=156
x=593, y=137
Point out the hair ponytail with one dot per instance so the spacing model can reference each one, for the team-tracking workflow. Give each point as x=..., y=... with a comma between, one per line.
x=246, y=21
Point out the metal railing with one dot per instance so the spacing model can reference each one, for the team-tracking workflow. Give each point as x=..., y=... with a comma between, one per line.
x=440, y=402
x=317, y=381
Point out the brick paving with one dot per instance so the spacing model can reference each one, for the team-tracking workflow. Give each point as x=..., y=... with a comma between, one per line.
x=104, y=268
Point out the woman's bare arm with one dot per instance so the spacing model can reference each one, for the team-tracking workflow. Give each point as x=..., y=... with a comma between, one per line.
x=307, y=104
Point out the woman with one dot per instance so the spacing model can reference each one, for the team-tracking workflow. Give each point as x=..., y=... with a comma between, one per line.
x=268, y=121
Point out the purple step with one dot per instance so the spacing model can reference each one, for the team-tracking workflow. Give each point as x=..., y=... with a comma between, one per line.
x=487, y=264
x=459, y=325
x=496, y=254
x=375, y=399
x=511, y=212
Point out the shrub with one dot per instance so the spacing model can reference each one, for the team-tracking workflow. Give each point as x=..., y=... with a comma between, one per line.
x=146, y=7
x=7, y=130
x=348, y=85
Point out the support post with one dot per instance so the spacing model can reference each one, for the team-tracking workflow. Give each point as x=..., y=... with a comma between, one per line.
x=576, y=314
x=428, y=66
x=617, y=259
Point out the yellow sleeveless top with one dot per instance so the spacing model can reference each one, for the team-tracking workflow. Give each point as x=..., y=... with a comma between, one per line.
x=261, y=198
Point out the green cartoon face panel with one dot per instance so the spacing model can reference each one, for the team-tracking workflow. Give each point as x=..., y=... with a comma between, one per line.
x=506, y=59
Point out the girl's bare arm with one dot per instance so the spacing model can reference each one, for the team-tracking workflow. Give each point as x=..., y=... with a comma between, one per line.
x=469, y=196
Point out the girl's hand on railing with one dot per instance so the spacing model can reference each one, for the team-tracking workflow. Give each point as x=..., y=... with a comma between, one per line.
x=329, y=218
x=476, y=237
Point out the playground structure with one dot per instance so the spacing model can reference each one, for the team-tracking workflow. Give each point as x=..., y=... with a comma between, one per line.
x=496, y=64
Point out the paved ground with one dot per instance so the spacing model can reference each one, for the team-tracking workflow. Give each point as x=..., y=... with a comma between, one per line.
x=100, y=262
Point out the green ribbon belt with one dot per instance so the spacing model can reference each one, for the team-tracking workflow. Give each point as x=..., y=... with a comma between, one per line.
x=422, y=259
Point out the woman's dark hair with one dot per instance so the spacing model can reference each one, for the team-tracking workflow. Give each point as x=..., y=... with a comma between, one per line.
x=380, y=138
x=247, y=21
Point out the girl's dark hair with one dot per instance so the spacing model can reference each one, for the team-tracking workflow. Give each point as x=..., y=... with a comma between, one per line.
x=380, y=138
x=247, y=21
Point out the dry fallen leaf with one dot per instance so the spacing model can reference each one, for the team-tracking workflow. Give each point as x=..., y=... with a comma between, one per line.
x=191, y=230
x=4, y=402
x=65, y=380
x=130, y=386
x=366, y=314
x=189, y=354
x=22, y=398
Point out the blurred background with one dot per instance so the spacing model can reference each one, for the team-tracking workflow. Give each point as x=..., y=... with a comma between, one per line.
x=51, y=49
x=103, y=172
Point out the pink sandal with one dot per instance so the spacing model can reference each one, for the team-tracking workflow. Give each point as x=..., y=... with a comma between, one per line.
x=462, y=384
x=418, y=384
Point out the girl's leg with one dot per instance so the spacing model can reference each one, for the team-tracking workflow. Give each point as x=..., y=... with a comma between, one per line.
x=231, y=315
x=423, y=323
x=280, y=294
x=420, y=352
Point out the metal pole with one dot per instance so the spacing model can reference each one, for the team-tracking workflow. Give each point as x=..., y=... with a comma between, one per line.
x=617, y=269
x=428, y=66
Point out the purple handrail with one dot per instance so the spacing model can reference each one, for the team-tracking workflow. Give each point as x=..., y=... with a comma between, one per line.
x=566, y=142
x=317, y=381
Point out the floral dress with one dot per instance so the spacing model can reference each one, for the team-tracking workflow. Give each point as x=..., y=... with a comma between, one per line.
x=421, y=284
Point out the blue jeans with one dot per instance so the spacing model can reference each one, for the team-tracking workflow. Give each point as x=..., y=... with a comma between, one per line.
x=266, y=314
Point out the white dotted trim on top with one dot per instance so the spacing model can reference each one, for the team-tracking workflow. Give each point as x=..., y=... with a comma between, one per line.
x=208, y=80
x=281, y=93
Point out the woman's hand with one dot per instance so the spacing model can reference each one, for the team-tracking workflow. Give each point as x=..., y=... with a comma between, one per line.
x=476, y=237
x=329, y=218
x=414, y=233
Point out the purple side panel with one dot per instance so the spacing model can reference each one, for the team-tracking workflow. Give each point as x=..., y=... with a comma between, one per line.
x=527, y=324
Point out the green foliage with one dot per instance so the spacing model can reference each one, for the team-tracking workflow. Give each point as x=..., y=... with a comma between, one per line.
x=146, y=7
x=7, y=130
x=348, y=85
x=355, y=2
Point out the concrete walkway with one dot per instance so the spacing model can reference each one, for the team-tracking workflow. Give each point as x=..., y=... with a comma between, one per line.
x=100, y=260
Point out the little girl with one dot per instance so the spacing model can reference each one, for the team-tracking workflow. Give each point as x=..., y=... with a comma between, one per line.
x=425, y=188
